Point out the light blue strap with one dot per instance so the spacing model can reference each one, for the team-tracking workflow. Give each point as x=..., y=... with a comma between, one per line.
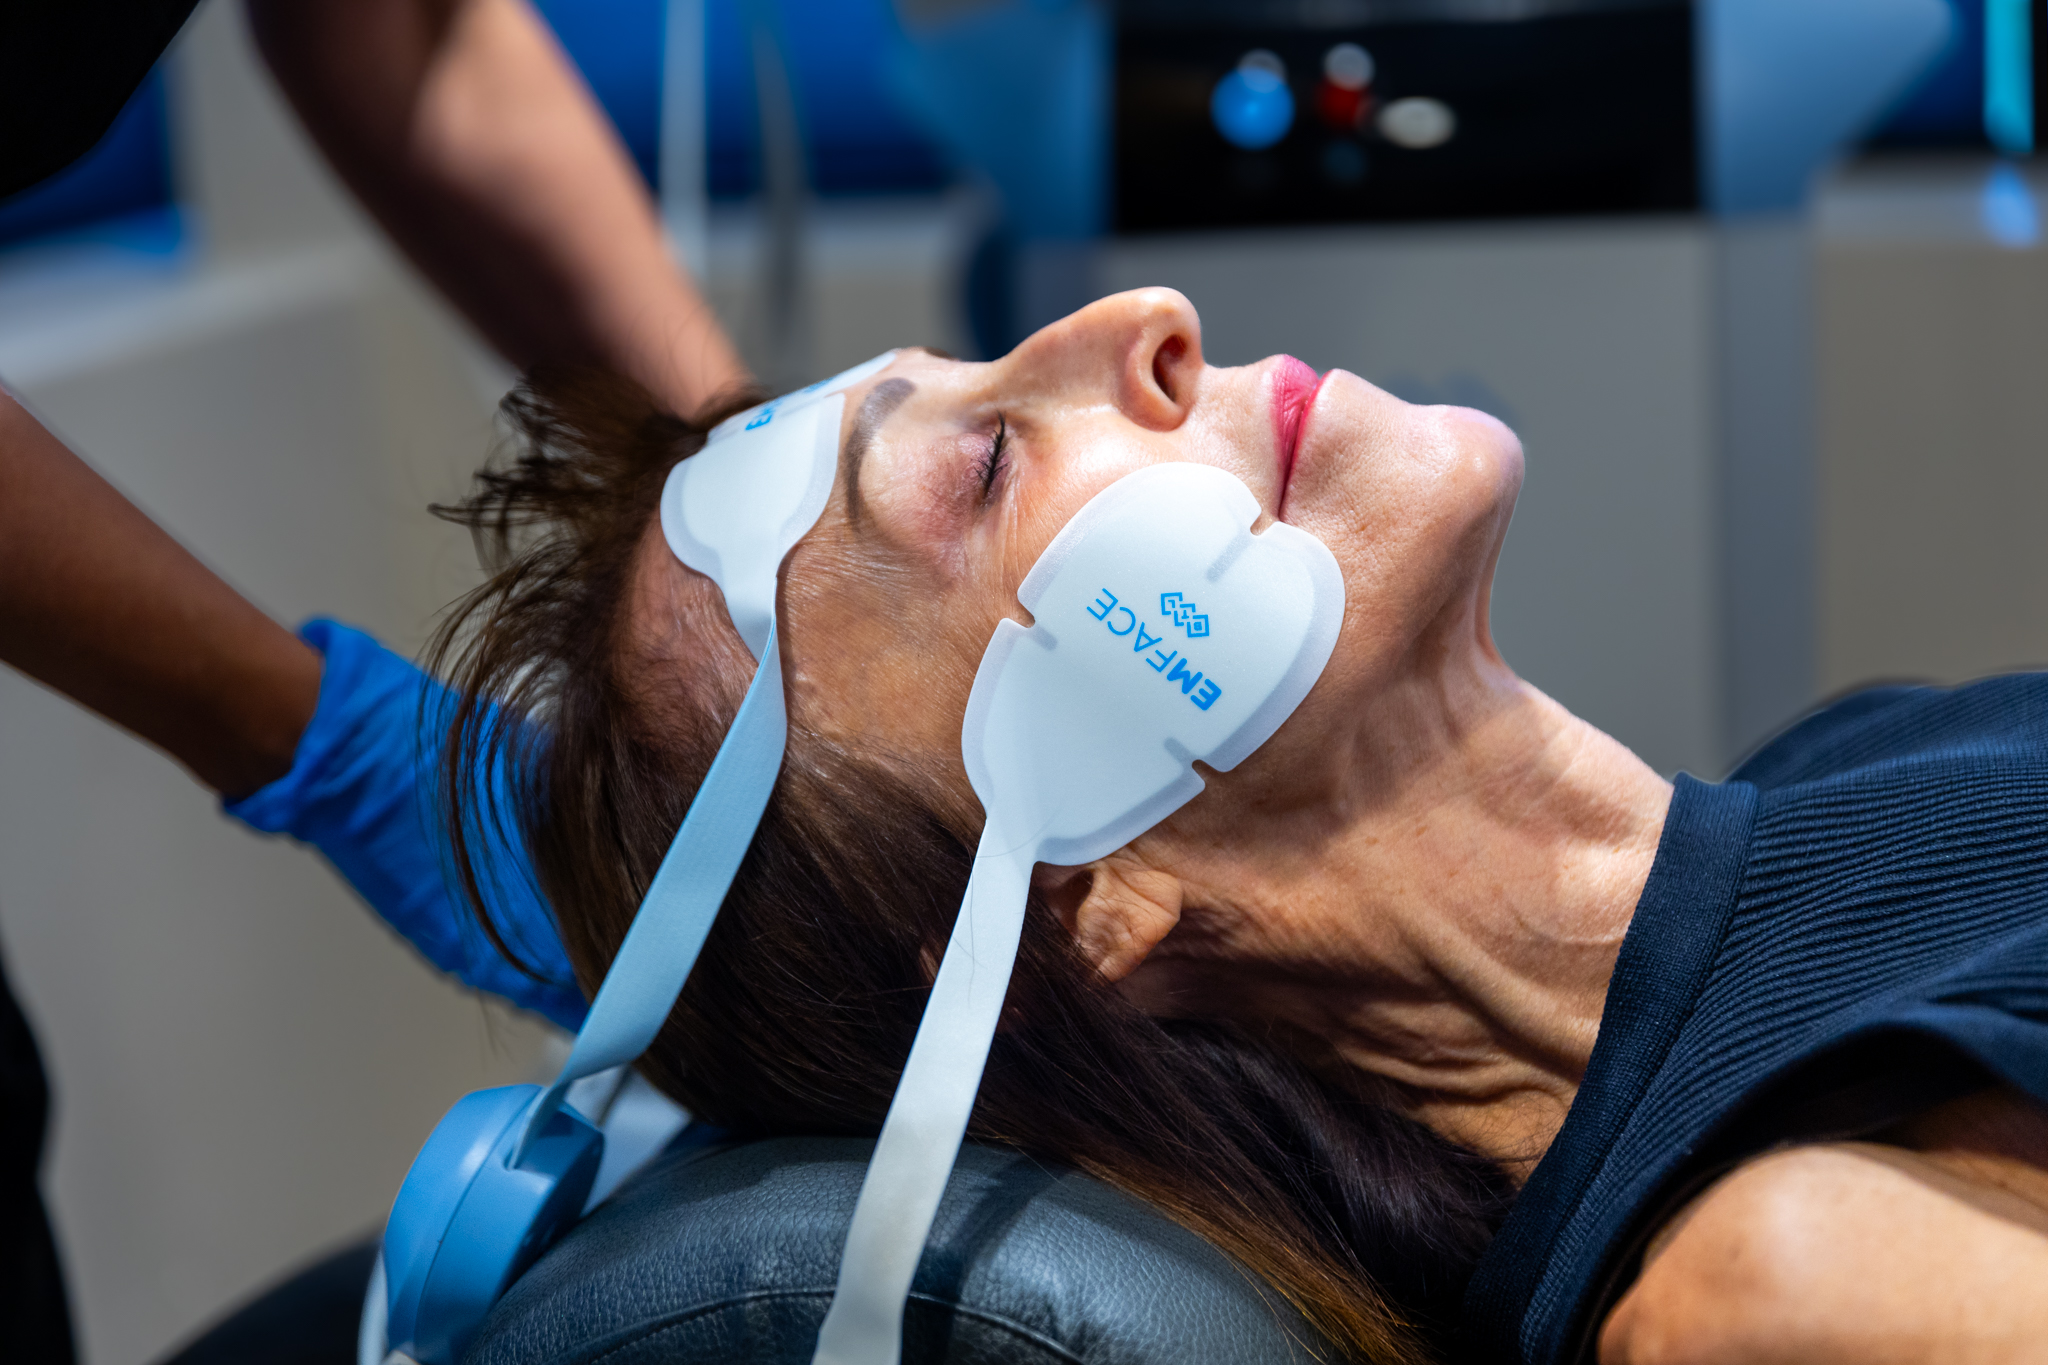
x=928, y=1119
x=670, y=928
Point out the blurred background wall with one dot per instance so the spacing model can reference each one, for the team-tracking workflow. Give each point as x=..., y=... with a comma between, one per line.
x=1772, y=454
x=1932, y=383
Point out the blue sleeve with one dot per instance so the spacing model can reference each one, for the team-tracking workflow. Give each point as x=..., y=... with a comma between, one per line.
x=361, y=792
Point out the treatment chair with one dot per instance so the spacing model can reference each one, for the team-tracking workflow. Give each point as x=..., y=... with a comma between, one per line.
x=729, y=1253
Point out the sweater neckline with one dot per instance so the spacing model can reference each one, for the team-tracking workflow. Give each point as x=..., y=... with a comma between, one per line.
x=1663, y=965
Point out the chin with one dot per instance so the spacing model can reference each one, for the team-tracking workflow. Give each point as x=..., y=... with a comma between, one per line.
x=1414, y=502
x=1491, y=450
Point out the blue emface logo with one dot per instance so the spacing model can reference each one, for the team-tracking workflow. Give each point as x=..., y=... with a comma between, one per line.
x=765, y=416
x=1184, y=614
x=1120, y=621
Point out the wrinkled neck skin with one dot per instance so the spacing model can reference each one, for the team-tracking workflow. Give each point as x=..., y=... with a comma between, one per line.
x=1443, y=910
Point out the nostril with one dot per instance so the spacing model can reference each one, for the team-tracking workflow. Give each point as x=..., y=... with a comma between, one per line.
x=1165, y=361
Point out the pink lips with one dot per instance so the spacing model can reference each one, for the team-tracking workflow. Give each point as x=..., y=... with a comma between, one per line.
x=1294, y=388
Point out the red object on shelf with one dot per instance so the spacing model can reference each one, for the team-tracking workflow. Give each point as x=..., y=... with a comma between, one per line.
x=1341, y=108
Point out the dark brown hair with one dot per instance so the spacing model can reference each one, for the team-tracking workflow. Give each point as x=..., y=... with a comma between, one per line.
x=800, y=1012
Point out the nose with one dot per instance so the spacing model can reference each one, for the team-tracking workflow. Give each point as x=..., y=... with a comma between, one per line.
x=1141, y=349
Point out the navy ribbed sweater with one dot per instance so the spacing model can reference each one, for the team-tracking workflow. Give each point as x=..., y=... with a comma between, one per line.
x=1853, y=927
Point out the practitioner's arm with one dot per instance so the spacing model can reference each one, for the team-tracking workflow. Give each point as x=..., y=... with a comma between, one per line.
x=99, y=603
x=463, y=128
x=333, y=745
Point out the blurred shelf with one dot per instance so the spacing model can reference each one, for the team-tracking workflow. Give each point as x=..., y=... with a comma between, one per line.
x=1903, y=198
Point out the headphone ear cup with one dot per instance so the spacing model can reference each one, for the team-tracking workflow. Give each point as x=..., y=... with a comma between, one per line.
x=467, y=1222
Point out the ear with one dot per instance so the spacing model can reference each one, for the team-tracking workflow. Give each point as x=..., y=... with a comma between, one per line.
x=1117, y=910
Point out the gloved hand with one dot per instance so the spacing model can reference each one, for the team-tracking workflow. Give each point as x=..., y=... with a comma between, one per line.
x=362, y=791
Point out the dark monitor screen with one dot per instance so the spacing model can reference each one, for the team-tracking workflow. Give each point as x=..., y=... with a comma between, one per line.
x=1253, y=112
x=1988, y=90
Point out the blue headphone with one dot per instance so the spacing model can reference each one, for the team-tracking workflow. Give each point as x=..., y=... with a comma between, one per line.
x=507, y=1171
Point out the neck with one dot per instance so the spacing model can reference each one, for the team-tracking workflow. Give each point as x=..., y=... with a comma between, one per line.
x=1458, y=919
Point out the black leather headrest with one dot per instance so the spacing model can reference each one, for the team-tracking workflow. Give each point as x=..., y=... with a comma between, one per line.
x=729, y=1255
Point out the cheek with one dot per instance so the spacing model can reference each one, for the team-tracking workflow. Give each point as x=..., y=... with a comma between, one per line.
x=1054, y=480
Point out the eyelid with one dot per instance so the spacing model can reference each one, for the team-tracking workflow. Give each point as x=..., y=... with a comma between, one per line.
x=998, y=444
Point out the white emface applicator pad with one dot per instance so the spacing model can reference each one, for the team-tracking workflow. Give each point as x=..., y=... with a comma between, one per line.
x=735, y=509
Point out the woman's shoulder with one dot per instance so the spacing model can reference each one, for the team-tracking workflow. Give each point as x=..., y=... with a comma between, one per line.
x=2005, y=715
x=1879, y=873
x=1925, y=1245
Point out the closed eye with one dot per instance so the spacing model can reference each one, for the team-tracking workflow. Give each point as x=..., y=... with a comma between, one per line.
x=992, y=463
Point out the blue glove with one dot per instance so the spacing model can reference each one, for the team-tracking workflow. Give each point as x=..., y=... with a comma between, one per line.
x=361, y=791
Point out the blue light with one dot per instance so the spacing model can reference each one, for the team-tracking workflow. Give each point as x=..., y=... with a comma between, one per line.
x=2009, y=76
x=2008, y=211
x=858, y=140
x=1252, y=107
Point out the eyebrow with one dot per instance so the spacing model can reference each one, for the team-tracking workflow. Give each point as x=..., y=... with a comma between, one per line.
x=883, y=399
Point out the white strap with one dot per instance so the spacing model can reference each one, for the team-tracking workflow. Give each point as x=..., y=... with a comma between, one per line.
x=928, y=1119
x=371, y=1328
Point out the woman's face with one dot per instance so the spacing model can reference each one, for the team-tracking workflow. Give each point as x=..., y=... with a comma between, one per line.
x=955, y=476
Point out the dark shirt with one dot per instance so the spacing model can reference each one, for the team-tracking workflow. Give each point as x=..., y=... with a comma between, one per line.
x=37, y=1325
x=1852, y=928
x=66, y=68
